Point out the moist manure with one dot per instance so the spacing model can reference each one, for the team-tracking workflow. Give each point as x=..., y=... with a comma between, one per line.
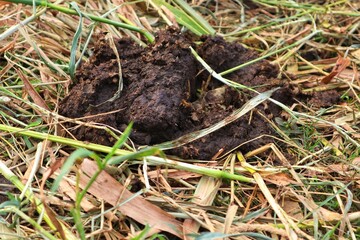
x=168, y=94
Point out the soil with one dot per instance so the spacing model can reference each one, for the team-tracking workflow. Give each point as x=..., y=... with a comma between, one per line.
x=167, y=94
x=6, y=187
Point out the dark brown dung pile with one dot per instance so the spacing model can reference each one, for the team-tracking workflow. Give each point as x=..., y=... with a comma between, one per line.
x=167, y=94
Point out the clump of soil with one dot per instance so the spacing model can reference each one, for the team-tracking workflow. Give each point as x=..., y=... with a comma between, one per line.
x=167, y=94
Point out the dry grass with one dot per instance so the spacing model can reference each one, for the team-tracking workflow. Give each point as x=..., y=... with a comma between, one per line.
x=308, y=190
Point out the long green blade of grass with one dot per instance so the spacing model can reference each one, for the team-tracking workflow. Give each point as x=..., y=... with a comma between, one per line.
x=120, y=152
x=187, y=17
x=75, y=42
x=62, y=140
x=70, y=161
x=197, y=17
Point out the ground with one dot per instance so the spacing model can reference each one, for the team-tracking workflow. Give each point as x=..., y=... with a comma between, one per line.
x=102, y=104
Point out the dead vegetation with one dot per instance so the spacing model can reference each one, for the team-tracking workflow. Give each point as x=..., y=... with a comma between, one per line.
x=303, y=186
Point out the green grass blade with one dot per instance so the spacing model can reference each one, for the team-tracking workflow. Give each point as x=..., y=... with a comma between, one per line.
x=75, y=42
x=183, y=18
x=136, y=155
x=78, y=224
x=197, y=17
x=142, y=234
x=105, y=149
x=331, y=233
x=119, y=143
x=65, y=169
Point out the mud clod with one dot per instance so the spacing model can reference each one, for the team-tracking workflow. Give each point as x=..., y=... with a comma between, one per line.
x=168, y=94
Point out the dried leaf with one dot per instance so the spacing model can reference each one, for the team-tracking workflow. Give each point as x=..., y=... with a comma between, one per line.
x=347, y=74
x=44, y=199
x=356, y=161
x=126, y=10
x=68, y=190
x=204, y=195
x=54, y=221
x=230, y=216
x=292, y=208
x=107, y=188
x=356, y=54
x=2, y=4
x=29, y=88
x=340, y=66
x=329, y=216
x=183, y=175
x=144, y=21
x=280, y=179
x=324, y=214
x=337, y=168
x=170, y=15
x=289, y=225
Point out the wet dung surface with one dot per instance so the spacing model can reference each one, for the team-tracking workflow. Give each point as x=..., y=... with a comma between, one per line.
x=167, y=94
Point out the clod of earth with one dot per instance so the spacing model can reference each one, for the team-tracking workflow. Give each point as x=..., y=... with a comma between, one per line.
x=167, y=94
